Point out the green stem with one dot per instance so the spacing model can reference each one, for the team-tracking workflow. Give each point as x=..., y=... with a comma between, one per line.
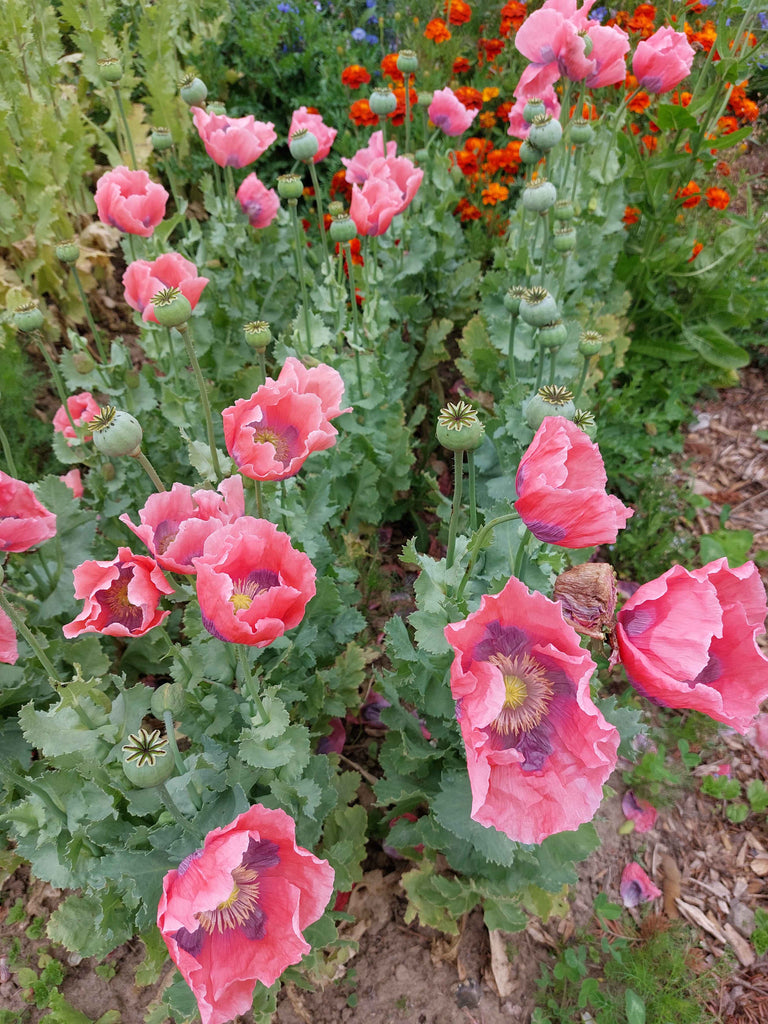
x=552, y=365
x=170, y=806
x=128, y=137
x=170, y=732
x=27, y=785
x=511, y=370
x=472, y=491
x=353, y=303
x=262, y=365
x=292, y=204
x=458, y=486
x=57, y=379
x=582, y=378
x=21, y=627
x=520, y=556
x=89, y=316
x=259, y=507
x=407, y=83
x=478, y=543
x=149, y=469
x=250, y=683
x=540, y=373
x=320, y=217
x=7, y=453
x=186, y=333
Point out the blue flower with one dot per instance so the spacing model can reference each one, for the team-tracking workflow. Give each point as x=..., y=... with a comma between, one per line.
x=358, y=34
x=287, y=8
x=370, y=3
x=371, y=40
x=598, y=13
x=763, y=19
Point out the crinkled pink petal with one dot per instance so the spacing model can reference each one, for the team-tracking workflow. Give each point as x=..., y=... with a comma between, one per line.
x=636, y=887
x=448, y=113
x=74, y=482
x=662, y=61
x=259, y=203
x=358, y=166
x=610, y=46
x=640, y=811
x=24, y=521
x=9, y=648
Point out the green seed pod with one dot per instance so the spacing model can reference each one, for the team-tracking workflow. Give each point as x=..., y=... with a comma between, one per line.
x=289, y=186
x=303, y=145
x=28, y=317
x=513, y=297
x=425, y=98
x=532, y=109
x=258, y=334
x=407, y=62
x=545, y=132
x=172, y=309
x=581, y=132
x=145, y=761
x=458, y=428
x=588, y=44
x=217, y=108
x=67, y=252
x=335, y=208
x=564, y=210
x=590, y=343
x=132, y=379
x=161, y=139
x=193, y=90
x=342, y=229
x=83, y=361
x=382, y=102
x=564, y=239
x=529, y=154
x=538, y=307
x=168, y=697
x=116, y=433
x=551, y=400
x=585, y=421
x=145, y=776
x=539, y=195
x=552, y=336
x=110, y=69
x=108, y=471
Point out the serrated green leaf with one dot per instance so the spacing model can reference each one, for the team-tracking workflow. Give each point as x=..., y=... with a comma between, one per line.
x=452, y=807
x=438, y=901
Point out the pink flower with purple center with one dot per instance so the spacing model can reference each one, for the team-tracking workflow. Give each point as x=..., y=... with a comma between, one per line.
x=636, y=887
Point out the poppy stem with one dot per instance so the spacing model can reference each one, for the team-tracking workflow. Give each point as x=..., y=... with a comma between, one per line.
x=186, y=333
x=320, y=216
x=259, y=507
x=57, y=380
x=520, y=557
x=582, y=378
x=292, y=204
x=250, y=683
x=407, y=84
x=170, y=732
x=552, y=365
x=173, y=810
x=21, y=627
x=472, y=491
x=149, y=469
x=128, y=136
x=89, y=316
x=7, y=453
x=458, y=487
x=540, y=374
x=478, y=544
x=511, y=370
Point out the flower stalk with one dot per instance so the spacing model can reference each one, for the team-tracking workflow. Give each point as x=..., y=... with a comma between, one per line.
x=186, y=335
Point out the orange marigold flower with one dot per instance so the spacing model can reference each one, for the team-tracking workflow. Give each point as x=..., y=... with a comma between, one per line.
x=697, y=247
x=650, y=142
x=457, y=12
x=487, y=119
x=695, y=7
x=491, y=48
x=340, y=186
x=461, y=65
x=494, y=193
x=682, y=99
x=471, y=98
x=354, y=76
x=437, y=31
x=588, y=112
x=727, y=124
x=466, y=161
x=748, y=110
x=635, y=128
x=354, y=248
x=467, y=211
x=723, y=168
x=389, y=68
x=639, y=103
x=398, y=114
x=360, y=113
x=690, y=194
x=513, y=15
x=631, y=216
x=706, y=37
x=503, y=109
x=717, y=198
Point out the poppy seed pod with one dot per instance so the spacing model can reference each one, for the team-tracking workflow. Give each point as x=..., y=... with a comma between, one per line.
x=342, y=229
x=581, y=132
x=458, y=428
x=116, y=432
x=303, y=145
x=172, y=309
x=538, y=307
x=67, y=252
x=564, y=239
x=146, y=762
x=552, y=336
x=28, y=317
x=545, y=132
x=529, y=154
x=533, y=108
x=539, y=195
x=161, y=139
x=193, y=90
x=110, y=69
x=564, y=210
x=513, y=297
x=382, y=102
x=551, y=400
x=407, y=61
x=258, y=334
x=590, y=343
x=289, y=186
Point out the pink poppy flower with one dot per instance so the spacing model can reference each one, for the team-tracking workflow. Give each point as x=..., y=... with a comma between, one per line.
x=757, y=734
x=391, y=185
x=314, y=123
x=232, y=914
x=9, y=648
x=175, y=524
x=518, y=126
x=687, y=640
x=74, y=482
x=663, y=60
x=448, y=113
x=359, y=166
x=24, y=521
x=130, y=201
x=640, y=811
x=259, y=203
x=145, y=278
x=553, y=40
x=121, y=596
x=610, y=46
x=252, y=584
x=82, y=408
x=538, y=749
x=233, y=141
x=561, y=489
x=271, y=434
x=636, y=887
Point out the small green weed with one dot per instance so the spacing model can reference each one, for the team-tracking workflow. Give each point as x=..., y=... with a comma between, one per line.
x=760, y=934
x=731, y=792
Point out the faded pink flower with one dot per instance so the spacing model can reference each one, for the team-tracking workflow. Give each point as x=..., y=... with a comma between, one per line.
x=449, y=113
x=130, y=201
x=314, y=123
x=271, y=434
x=663, y=60
x=82, y=408
x=252, y=584
x=24, y=521
x=636, y=887
x=359, y=166
x=640, y=811
x=391, y=185
x=121, y=596
x=610, y=45
x=233, y=912
x=233, y=141
x=9, y=648
x=687, y=640
x=175, y=524
x=553, y=40
x=561, y=489
x=74, y=482
x=538, y=750
x=518, y=126
x=259, y=203
x=145, y=278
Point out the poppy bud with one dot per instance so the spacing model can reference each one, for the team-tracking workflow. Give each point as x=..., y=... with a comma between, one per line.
x=168, y=697
x=83, y=361
x=303, y=145
x=115, y=432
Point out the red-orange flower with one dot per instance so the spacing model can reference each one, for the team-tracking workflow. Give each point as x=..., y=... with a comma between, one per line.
x=389, y=68
x=491, y=48
x=682, y=98
x=631, y=216
x=650, y=142
x=354, y=76
x=460, y=66
x=513, y=15
x=717, y=198
x=466, y=161
x=697, y=247
x=397, y=116
x=340, y=186
x=471, y=98
x=467, y=211
x=494, y=193
x=727, y=124
x=639, y=102
x=487, y=119
x=690, y=194
x=457, y=12
x=437, y=31
x=723, y=168
x=360, y=113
